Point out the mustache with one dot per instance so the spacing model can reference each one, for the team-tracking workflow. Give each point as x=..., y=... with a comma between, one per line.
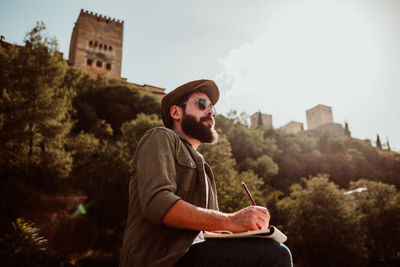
x=205, y=118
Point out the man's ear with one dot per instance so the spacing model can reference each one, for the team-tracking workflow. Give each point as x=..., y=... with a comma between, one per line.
x=176, y=112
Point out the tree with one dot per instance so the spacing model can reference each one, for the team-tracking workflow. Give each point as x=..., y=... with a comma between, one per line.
x=231, y=196
x=347, y=129
x=321, y=226
x=23, y=246
x=379, y=207
x=35, y=110
x=259, y=120
x=115, y=104
x=132, y=131
x=247, y=144
x=263, y=166
x=101, y=172
x=387, y=144
x=241, y=119
x=323, y=142
x=378, y=142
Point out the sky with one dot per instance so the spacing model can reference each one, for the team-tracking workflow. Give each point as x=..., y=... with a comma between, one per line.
x=279, y=57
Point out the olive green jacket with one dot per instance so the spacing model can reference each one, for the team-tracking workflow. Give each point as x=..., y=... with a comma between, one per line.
x=165, y=168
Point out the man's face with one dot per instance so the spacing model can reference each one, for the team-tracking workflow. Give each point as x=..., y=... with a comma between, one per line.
x=197, y=123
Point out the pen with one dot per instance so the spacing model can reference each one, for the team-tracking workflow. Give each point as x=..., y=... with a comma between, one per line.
x=248, y=194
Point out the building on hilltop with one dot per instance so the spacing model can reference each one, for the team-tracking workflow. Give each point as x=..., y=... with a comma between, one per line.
x=96, y=44
x=260, y=119
x=320, y=118
x=292, y=127
x=318, y=115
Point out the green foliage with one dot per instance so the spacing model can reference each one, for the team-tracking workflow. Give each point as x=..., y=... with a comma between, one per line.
x=347, y=129
x=219, y=156
x=101, y=172
x=23, y=246
x=387, y=144
x=231, y=196
x=379, y=209
x=378, y=142
x=241, y=118
x=263, y=166
x=113, y=104
x=35, y=109
x=320, y=222
x=255, y=185
x=132, y=131
x=251, y=149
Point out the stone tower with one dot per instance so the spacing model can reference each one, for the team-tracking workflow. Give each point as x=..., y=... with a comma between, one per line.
x=318, y=115
x=96, y=45
x=260, y=119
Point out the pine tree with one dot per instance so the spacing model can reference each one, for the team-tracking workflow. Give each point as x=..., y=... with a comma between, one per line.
x=387, y=144
x=347, y=129
x=378, y=142
x=34, y=108
x=259, y=120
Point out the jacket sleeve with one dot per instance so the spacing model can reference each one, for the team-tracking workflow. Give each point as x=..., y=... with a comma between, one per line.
x=154, y=169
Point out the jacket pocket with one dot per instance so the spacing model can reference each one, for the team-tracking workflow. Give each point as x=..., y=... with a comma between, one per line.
x=185, y=160
x=186, y=172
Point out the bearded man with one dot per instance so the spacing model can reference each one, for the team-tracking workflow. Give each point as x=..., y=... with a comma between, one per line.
x=173, y=197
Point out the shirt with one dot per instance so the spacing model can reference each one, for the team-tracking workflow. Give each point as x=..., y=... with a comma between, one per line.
x=165, y=168
x=200, y=237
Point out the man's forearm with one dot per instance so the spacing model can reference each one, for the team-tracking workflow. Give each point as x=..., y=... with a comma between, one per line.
x=184, y=215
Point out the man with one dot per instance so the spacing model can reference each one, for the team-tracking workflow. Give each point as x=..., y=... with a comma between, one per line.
x=173, y=198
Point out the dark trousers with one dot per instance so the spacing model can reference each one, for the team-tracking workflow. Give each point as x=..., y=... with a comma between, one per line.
x=237, y=252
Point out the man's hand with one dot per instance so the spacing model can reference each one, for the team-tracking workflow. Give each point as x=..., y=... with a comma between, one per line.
x=249, y=219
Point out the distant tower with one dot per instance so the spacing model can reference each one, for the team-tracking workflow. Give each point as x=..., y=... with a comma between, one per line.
x=318, y=115
x=96, y=44
x=260, y=119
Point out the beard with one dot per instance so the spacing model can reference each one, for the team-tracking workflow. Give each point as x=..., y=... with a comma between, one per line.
x=196, y=129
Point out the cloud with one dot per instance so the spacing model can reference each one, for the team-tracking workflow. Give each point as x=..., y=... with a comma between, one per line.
x=319, y=54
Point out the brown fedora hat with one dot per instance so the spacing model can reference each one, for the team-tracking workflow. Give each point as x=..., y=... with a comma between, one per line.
x=172, y=98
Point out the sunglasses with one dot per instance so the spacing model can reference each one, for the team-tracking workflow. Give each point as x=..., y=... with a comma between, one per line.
x=202, y=104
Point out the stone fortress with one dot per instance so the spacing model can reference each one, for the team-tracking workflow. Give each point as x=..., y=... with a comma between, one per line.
x=96, y=46
x=319, y=118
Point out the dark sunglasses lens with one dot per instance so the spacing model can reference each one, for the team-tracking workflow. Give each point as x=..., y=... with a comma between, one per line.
x=202, y=103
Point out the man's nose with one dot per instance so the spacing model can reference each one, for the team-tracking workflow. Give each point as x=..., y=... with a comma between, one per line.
x=210, y=111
